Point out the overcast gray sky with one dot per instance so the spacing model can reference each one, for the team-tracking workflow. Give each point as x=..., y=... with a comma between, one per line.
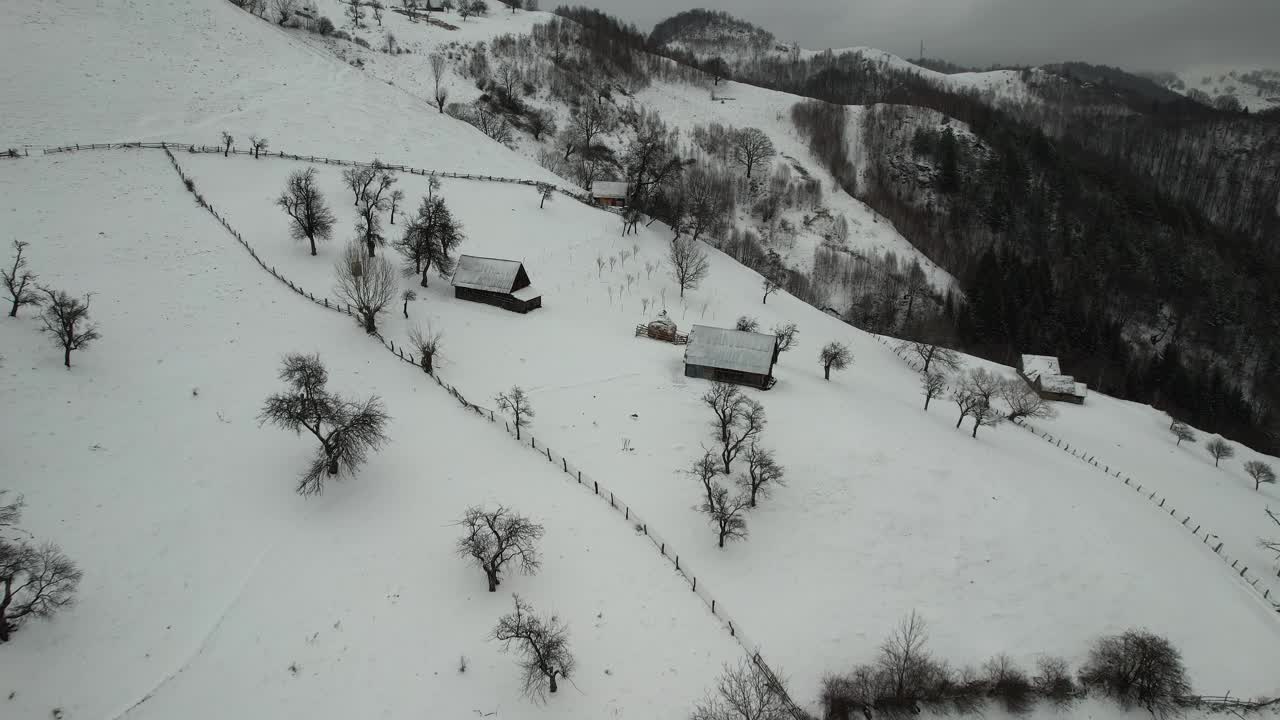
x=1134, y=34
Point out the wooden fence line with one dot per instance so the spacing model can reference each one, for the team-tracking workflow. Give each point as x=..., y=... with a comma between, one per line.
x=570, y=470
x=1241, y=572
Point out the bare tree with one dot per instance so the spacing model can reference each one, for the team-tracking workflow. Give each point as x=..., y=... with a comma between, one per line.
x=368, y=284
x=689, y=263
x=360, y=179
x=705, y=200
x=751, y=146
x=259, y=144
x=588, y=123
x=497, y=538
x=516, y=402
x=1220, y=450
x=904, y=659
x=539, y=123
x=408, y=296
x=373, y=201
x=834, y=355
x=355, y=13
x=542, y=645
x=705, y=469
x=377, y=11
x=981, y=387
x=19, y=282
x=440, y=92
x=932, y=384
x=739, y=420
x=66, y=318
x=1138, y=668
x=763, y=474
x=1024, y=402
x=1182, y=431
x=430, y=239
x=428, y=343
x=746, y=323
x=305, y=205
x=1265, y=544
x=465, y=9
x=1260, y=472
x=931, y=354
x=396, y=197
x=227, y=140
x=284, y=10
x=35, y=583
x=10, y=513
x=545, y=192
x=743, y=692
x=786, y=334
x=347, y=430
x=727, y=513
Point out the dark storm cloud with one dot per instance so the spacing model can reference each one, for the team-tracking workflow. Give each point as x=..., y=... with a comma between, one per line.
x=1135, y=34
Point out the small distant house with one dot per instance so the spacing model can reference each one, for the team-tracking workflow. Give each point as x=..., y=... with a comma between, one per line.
x=609, y=193
x=502, y=283
x=733, y=356
x=1044, y=375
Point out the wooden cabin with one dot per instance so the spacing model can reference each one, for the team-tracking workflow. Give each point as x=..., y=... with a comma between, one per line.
x=733, y=356
x=1044, y=375
x=609, y=193
x=501, y=283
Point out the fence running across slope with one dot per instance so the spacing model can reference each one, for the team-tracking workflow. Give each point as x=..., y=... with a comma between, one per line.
x=1251, y=579
x=572, y=472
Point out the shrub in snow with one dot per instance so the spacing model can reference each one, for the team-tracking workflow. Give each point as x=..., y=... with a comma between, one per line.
x=1138, y=669
x=428, y=343
x=1053, y=680
x=325, y=26
x=348, y=430
x=497, y=538
x=743, y=691
x=747, y=324
x=1009, y=684
x=542, y=645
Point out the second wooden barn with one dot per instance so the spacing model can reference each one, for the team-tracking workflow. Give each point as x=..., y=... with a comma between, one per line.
x=734, y=356
x=502, y=283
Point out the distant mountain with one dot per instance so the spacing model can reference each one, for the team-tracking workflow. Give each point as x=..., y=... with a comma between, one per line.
x=1255, y=89
x=706, y=33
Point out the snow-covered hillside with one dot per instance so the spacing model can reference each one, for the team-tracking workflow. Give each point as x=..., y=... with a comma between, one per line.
x=212, y=590
x=1256, y=88
x=999, y=85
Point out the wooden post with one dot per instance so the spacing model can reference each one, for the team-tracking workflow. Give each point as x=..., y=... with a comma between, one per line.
x=549, y=455
x=579, y=477
x=626, y=515
x=677, y=562
x=597, y=484
x=713, y=606
x=662, y=548
x=695, y=583
x=566, y=464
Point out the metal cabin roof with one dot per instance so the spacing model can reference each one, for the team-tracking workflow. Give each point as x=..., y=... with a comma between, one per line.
x=481, y=273
x=730, y=349
x=609, y=189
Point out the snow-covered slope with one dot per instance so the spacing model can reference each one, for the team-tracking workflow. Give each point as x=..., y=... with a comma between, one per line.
x=1000, y=85
x=1256, y=88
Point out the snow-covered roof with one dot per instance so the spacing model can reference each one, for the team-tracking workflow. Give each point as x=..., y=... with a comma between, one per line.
x=730, y=349
x=481, y=273
x=609, y=189
x=1036, y=365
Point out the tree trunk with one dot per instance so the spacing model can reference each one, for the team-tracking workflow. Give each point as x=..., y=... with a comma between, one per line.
x=369, y=327
x=393, y=214
x=66, y=355
x=543, y=203
x=960, y=420
x=722, y=534
x=826, y=371
x=425, y=267
x=976, y=425
x=313, y=244
x=426, y=364
x=406, y=309
x=493, y=579
x=333, y=466
x=369, y=245
x=553, y=682
x=13, y=311
x=517, y=429
x=927, y=398
x=4, y=610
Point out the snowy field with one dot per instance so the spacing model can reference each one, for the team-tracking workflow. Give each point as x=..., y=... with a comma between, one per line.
x=206, y=577
x=889, y=509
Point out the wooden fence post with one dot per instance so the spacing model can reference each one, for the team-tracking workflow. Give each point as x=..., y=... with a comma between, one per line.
x=566, y=464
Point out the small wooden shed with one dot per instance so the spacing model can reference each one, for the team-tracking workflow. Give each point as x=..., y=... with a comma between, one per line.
x=609, y=192
x=501, y=283
x=1044, y=375
x=734, y=356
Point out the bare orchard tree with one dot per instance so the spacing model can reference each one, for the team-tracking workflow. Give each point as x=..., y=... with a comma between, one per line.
x=428, y=343
x=374, y=199
x=1220, y=450
x=904, y=659
x=360, y=179
x=259, y=144
x=751, y=147
x=705, y=469
x=377, y=11
x=743, y=692
x=738, y=423
x=516, y=402
x=440, y=94
x=496, y=538
x=932, y=385
x=66, y=319
x=396, y=199
x=430, y=239
x=932, y=355
x=284, y=10
x=347, y=430
x=304, y=203
x=367, y=284
x=1260, y=472
x=542, y=644
x=36, y=581
x=1024, y=402
x=1182, y=431
x=689, y=263
x=545, y=192
x=355, y=13
x=227, y=140
x=983, y=387
x=727, y=513
x=408, y=296
x=763, y=474
x=19, y=282
x=786, y=334
x=834, y=355
x=1271, y=545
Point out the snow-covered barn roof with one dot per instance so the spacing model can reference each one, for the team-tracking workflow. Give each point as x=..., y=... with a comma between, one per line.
x=1035, y=365
x=730, y=349
x=1046, y=369
x=482, y=273
x=609, y=189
